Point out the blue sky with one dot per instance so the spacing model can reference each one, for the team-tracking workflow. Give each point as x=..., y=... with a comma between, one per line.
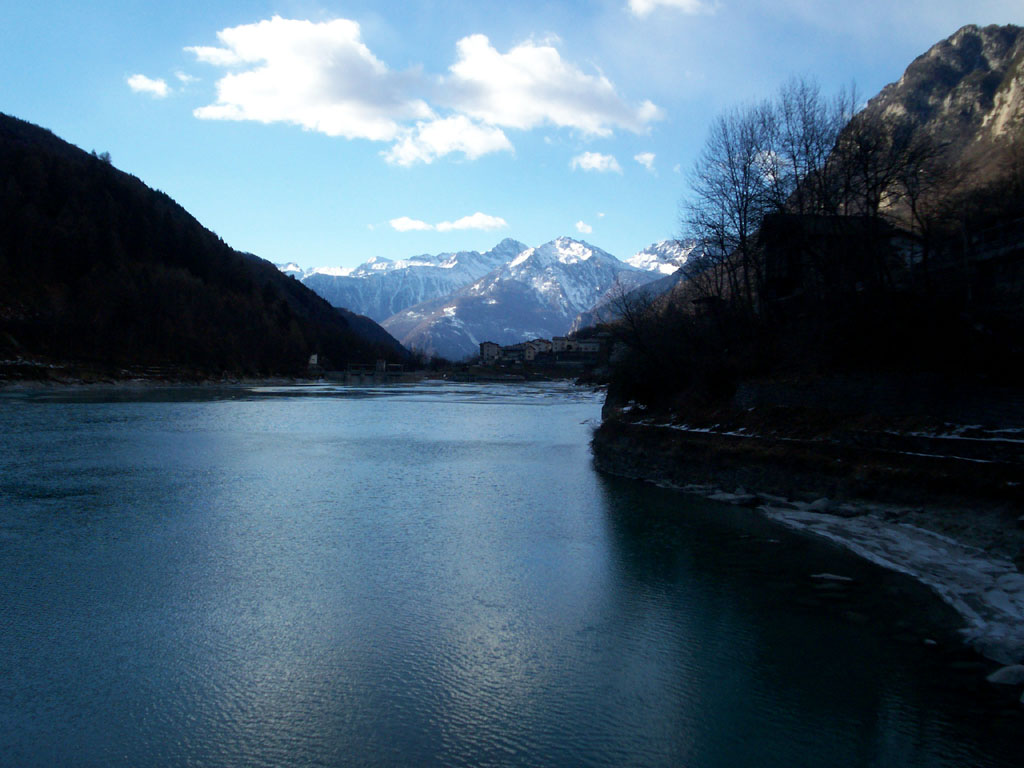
x=328, y=132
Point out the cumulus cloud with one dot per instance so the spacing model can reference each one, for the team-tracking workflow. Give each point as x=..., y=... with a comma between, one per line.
x=642, y=8
x=477, y=220
x=437, y=138
x=646, y=159
x=184, y=77
x=533, y=85
x=323, y=77
x=405, y=224
x=156, y=88
x=583, y=228
x=317, y=75
x=595, y=161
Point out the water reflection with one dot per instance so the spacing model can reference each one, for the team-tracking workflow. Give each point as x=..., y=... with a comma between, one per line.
x=423, y=575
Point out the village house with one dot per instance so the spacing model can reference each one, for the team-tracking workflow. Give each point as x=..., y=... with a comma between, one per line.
x=489, y=352
x=539, y=350
x=521, y=351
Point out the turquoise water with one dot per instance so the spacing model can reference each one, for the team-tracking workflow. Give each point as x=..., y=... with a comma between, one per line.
x=428, y=575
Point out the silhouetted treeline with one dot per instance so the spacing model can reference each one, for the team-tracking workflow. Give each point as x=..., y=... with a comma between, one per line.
x=832, y=242
x=95, y=267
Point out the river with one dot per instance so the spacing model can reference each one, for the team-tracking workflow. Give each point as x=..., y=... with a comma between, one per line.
x=432, y=574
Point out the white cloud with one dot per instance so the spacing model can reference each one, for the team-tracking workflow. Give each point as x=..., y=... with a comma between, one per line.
x=184, y=77
x=477, y=220
x=646, y=159
x=142, y=84
x=405, y=224
x=431, y=140
x=642, y=8
x=583, y=228
x=322, y=77
x=218, y=57
x=532, y=85
x=595, y=161
x=317, y=75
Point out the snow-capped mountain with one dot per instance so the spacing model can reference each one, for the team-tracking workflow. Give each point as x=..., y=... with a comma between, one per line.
x=536, y=294
x=380, y=288
x=664, y=257
x=292, y=270
x=661, y=261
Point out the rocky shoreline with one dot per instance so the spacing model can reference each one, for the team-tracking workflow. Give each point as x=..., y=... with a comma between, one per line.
x=947, y=518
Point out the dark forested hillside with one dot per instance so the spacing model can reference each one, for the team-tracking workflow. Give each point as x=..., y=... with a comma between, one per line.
x=879, y=244
x=97, y=269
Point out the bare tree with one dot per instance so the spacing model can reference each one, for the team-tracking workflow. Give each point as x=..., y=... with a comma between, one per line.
x=770, y=157
x=801, y=128
x=731, y=192
x=635, y=320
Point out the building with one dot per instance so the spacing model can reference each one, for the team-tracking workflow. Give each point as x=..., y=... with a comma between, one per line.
x=821, y=256
x=542, y=351
x=489, y=352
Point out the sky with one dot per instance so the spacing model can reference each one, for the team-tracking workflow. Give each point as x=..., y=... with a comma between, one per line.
x=325, y=133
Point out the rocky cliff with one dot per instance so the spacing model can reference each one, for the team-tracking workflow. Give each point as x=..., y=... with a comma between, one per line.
x=967, y=91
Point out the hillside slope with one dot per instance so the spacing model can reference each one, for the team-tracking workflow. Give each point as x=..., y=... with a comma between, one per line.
x=967, y=92
x=102, y=271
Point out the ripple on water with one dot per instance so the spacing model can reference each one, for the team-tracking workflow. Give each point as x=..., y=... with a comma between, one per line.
x=422, y=575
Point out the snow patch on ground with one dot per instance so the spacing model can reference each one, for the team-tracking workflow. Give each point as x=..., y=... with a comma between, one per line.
x=987, y=591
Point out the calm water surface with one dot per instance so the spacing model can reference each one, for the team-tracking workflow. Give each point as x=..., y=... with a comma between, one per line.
x=426, y=575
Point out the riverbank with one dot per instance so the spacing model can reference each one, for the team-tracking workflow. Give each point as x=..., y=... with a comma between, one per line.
x=34, y=374
x=21, y=374
x=940, y=504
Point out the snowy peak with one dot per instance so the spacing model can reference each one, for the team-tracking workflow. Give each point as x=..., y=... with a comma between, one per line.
x=292, y=269
x=664, y=257
x=569, y=251
x=380, y=287
x=329, y=271
x=561, y=252
x=507, y=249
x=537, y=293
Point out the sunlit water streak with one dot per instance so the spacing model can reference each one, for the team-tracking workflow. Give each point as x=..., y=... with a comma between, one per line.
x=430, y=574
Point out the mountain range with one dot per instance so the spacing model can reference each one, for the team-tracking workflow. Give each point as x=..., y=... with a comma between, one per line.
x=445, y=305
x=379, y=288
